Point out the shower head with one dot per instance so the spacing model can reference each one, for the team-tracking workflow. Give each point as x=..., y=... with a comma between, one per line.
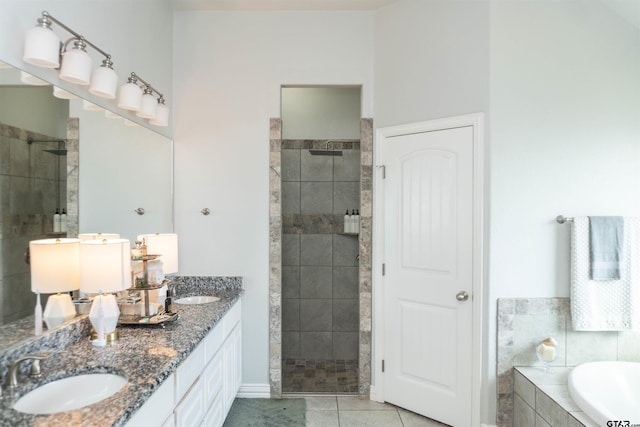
x=57, y=152
x=325, y=152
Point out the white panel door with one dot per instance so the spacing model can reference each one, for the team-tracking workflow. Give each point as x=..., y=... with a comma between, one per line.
x=428, y=253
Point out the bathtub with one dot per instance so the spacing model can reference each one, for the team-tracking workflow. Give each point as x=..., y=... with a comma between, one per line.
x=607, y=391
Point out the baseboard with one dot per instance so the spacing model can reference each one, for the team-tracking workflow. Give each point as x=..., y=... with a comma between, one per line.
x=373, y=394
x=254, y=391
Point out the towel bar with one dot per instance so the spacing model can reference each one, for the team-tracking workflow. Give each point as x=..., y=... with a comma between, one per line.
x=562, y=219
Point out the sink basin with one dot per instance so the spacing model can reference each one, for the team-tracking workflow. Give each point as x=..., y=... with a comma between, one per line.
x=70, y=393
x=201, y=299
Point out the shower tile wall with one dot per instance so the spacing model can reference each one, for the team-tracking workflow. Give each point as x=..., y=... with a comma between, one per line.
x=320, y=313
x=29, y=194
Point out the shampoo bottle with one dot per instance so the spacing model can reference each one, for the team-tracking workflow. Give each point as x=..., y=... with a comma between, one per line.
x=353, y=222
x=347, y=222
x=63, y=221
x=56, y=221
x=356, y=222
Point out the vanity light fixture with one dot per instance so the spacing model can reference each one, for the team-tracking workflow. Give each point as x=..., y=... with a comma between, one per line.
x=43, y=48
x=62, y=94
x=31, y=80
x=131, y=97
x=105, y=267
x=55, y=267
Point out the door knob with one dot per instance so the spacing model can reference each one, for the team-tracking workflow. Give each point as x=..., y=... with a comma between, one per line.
x=462, y=296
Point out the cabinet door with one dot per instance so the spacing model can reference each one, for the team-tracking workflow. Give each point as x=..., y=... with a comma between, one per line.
x=188, y=371
x=215, y=415
x=191, y=410
x=157, y=408
x=213, y=378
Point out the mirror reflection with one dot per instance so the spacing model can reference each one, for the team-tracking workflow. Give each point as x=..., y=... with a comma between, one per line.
x=66, y=169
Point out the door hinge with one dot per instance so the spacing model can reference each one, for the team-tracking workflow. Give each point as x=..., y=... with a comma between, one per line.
x=382, y=365
x=384, y=170
x=384, y=268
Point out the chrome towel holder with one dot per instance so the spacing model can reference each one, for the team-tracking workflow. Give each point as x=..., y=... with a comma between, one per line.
x=562, y=219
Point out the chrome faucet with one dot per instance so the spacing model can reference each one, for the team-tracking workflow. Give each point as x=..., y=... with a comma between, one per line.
x=35, y=368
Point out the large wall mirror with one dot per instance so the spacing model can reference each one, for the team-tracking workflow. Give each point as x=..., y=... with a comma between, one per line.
x=55, y=154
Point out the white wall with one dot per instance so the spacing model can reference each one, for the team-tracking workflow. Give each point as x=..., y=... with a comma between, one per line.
x=432, y=61
x=136, y=33
x=565, y=130
x=229, y=69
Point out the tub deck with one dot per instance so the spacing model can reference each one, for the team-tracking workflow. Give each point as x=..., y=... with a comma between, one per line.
x=542, y=398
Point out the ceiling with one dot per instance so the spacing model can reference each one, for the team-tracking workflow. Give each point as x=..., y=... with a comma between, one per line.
x=279, y=4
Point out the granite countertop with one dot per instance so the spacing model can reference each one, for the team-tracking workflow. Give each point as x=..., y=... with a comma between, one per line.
x=145, y=355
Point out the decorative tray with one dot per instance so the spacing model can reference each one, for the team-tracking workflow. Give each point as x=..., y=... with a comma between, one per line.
x=156, y=319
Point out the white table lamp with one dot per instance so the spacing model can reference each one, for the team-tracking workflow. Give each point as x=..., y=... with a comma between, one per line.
x=165, y=245
x=55, y=267
x=98, y=236
x=105, y=267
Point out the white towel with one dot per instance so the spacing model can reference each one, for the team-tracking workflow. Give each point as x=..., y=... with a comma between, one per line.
x=605, y=305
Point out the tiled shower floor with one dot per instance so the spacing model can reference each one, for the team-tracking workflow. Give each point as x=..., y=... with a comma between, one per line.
x=319, y=376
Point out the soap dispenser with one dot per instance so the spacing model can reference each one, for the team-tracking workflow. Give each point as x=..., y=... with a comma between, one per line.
x=347, y=223
x=63, y=221
x=57, y=221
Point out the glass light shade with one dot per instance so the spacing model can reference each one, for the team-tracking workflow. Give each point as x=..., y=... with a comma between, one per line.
x=111, y=115
x=130, y=97
x=148, y=106
x=90, y=106
x=76, y=67
x=31, y=80
x=105, y=265
x=94, y=236
x=55, y=265
x=162, y=116
x=104, y=82
x=62, y=94
x=165, y=245
x=42, y=47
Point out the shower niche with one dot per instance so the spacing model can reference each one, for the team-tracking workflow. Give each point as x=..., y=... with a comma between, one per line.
x=320, y=181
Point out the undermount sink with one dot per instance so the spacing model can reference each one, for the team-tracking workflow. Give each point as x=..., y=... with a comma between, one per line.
x=70, y=393
x=200, y=299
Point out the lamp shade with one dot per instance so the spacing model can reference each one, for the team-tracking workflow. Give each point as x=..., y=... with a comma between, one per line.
x=94, y=236
x=104, y=82
x=62, y=94
x=42, y=47
x=90, y=106
x=165, y=245
x=148, y=106
x=129, y=96
x=76, y=65
x=33, y=80
x=105, y=265
x=55, y=265
x=162, y=115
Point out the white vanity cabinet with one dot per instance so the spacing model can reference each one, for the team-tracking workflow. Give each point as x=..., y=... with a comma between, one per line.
x=202, y=389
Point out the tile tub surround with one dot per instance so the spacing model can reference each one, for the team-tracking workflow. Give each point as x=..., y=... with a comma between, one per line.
x=542, y=399
x=523, y=322
x=145, y=355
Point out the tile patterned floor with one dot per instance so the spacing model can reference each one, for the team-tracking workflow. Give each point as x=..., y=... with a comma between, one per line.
x=349, y=411
x=319, y=376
